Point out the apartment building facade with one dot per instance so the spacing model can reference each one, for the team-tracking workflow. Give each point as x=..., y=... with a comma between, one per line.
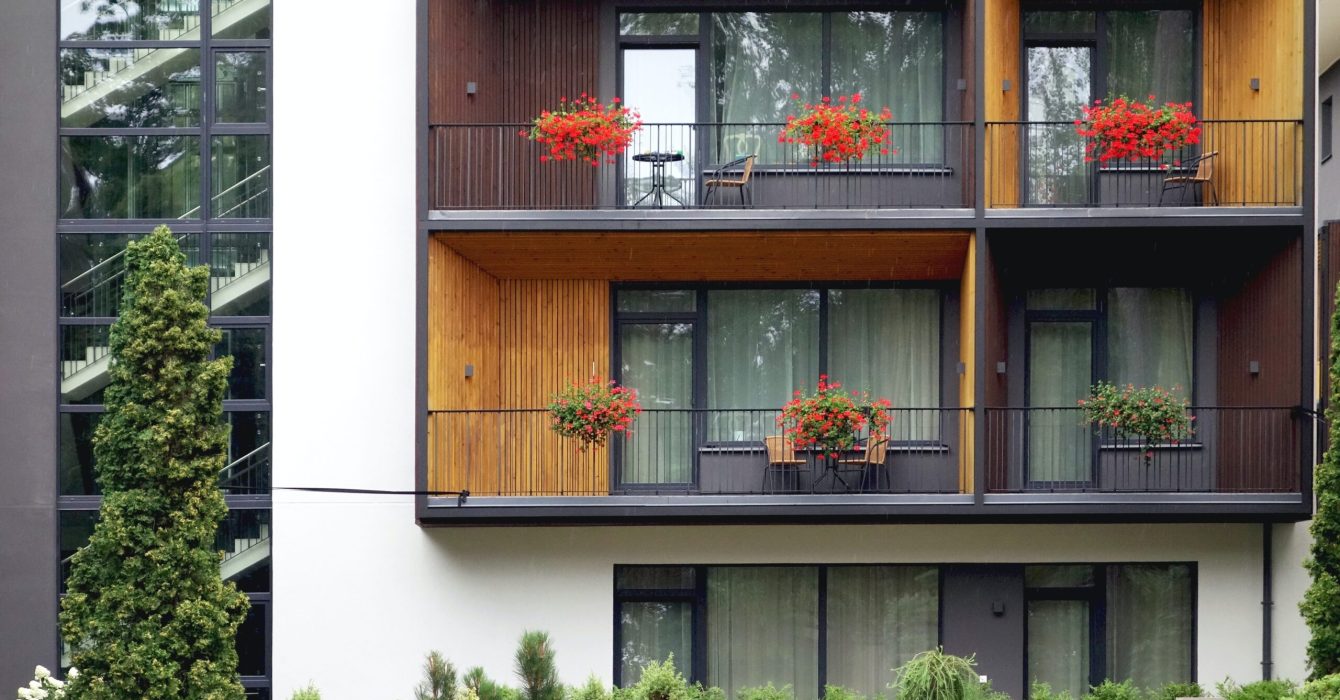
x=981, y=275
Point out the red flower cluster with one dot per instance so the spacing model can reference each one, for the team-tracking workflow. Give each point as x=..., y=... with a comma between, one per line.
x=591, y=412
x=1130, y=129
x=585, y=130
x=838, y=131
x=830, y=420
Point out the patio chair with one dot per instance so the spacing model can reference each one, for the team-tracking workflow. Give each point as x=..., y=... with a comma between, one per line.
x=782, y=461
x=871, y=462
x=722, y=177
x=1204, y=176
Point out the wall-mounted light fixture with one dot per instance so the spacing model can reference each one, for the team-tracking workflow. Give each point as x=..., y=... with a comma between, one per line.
x=1254, y=367
x=1000, y=368
x=961, y=85
x=962, y=368
x=1005, y=85
x=469, y=371
x=1256, y=84
x=471, y=88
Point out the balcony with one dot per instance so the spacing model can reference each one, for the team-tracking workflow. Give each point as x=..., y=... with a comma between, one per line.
x=494, y=167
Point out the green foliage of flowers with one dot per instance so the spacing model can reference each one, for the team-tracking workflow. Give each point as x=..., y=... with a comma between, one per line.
x=439, y=679
x=837, y=131
x=1112, y=690
x=585, y=130
x=766, y=692
x=1153, y=414
x=1321, y=603
x=1260, y=690
x=147, y=615
x=590, y=412
x=831, y=420
x=935, y=675
x=1324, y=688
x=535, y=667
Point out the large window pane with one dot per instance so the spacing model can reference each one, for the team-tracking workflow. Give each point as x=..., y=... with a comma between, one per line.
x=1150, y=335
x=252, y=640
x=130, y=87
x=126, y=20
x=247, y=470
x=759, y=60
x=654, y=631
x=1058, y=645
x=241, y=19
x=879, y=617
x=1149, y=623
x=895, y=59
x=77, y=476
x=76, y=527
x=763, y=627
x=887, y=342
x=85, y=353
x=240, y=87
x=1151, y=52
x=657, y=300
x=1060, y=371
x=239, y=280
x=1059, y=22
x=241, y=177
x=130, y=177
x=657, y=361
x=244, y=539
x=248, y=348
x=93, y=270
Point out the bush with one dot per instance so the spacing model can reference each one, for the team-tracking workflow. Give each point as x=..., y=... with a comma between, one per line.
x=535, y=668
x=44, y=687
x=1321, y=603
x=1111, y=690
x=1260, y=690
x=1324, y=688
x=439, y=679
x=935, y=675
x=837, y=692
x=766, y=692
x=1043, y=691
x=1172, y=691
x=660, y=681
x=308, y=693
x=593, y=689
x=484, y=688
x=983, y=691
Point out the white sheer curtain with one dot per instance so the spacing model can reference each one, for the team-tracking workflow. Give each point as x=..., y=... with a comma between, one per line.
x=657, y=361
x=763, y=627
x=759, y=59
x=1149, y=623
x=1150, y=332
x=653, y=631
x=1058, y=645
x=1060, y=369
x=878, y=618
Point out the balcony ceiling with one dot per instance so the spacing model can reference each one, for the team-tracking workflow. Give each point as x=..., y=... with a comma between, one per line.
x=718, y=256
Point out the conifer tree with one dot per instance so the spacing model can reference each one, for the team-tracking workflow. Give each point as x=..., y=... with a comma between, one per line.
x=147, y=614
x=536, y=669
x=1321, y=603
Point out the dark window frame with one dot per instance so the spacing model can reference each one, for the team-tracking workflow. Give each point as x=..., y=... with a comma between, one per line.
x=1327, y=127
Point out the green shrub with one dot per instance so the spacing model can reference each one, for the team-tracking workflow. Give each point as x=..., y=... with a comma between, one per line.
x=439, y=679
x=935, y=675
x=308, y=693
x=1111, y=690
x=983, y=691
x=1043, y=691
x=660, y=681
x=1324, y=688
x=698, y=692
x=485, y=688
x=535, y=667
x=837, y=692
x=766, y=692
x=593, y=689
x=1321, y=603
x=1172, y=691
x=1260, y=690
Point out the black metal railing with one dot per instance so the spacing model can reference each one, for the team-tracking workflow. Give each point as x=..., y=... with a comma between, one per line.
x=493, y=166
x=1230, y=450
x=248, y=473
x=1256, y=163
x=707, y=452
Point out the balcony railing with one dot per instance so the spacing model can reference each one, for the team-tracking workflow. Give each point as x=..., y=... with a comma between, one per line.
x=1232, y=450
x=1256, y=163
x=494, y=167
x=690, y=451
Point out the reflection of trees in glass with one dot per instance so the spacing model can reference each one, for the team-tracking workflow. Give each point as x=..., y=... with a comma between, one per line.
x=658, y=23
x=759, y=60
x=1150, y=53
x=166, y=93
x=652, y=631
x=130, y=176
x=1058, y=84
x=130, y=19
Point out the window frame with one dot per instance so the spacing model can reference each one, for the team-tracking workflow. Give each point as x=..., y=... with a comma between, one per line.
x=1327, y=127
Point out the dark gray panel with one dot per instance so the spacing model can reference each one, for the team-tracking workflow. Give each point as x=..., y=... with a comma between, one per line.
x=983, y=615
x=27, y=339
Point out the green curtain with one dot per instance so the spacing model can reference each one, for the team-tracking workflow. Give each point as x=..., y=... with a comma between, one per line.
x=879, y=617
x=887, y=342
x=1150, y=334
x=895, y=60
x=763, y=627
x=1151, y=52
x=1058, y=644
x=762, y=345
x=657, y=361
x=1149, y=623
x=653, y=631
x=1060, y=368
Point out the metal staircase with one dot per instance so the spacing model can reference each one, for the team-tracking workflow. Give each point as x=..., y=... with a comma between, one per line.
x=247, y=474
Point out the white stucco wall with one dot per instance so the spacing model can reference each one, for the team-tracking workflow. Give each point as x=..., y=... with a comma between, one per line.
x=361, y=592
x=1289, y=644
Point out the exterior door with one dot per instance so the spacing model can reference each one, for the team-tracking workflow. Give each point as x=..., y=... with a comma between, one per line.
x=1059, y=82
x=662, y=84
x=1060, y=372
x=656, y=359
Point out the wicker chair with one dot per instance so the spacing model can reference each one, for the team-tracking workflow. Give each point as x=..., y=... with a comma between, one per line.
x=1204, y=176
x=871, y=461
x=723, y=177
x=782, y=460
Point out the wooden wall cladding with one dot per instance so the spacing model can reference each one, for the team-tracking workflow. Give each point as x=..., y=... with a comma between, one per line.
x=1003, y=35
x=967, y=356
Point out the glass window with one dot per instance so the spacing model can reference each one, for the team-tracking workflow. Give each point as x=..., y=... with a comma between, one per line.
x=92, y=270
x=244, y=539
x=1151, y=52
x=84, y=357
x=130, y=87
x=118, y=20
x=759, y=60
x=1058, y=645
x=249, y=375
x=762, y=345
x=1150, y=623
x=241, y=87
x=657, y=300
x=239, y=281
x=130, y=177
x=658, y=23
x=1327, y=127
x=241, y=19
x=654, y=631
x=252, y=651
x=763, y=627
x=1058, y=576
x=655, y=578
x=657, y=362
x=878, y=618
x=1062, y=299
x=1150, y=333
x=76, y=527
x=1065, y=21
x=241, y=177
x=77, y=476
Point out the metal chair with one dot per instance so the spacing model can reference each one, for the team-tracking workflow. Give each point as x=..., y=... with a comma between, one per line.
x=719, y=179
x=782, y=460
x=1204, y=176
x=872, y=461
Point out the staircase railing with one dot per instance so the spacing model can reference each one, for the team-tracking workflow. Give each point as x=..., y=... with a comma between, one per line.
x=249, y=473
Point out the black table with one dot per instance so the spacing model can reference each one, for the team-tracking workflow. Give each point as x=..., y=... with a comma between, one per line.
x=658, y=191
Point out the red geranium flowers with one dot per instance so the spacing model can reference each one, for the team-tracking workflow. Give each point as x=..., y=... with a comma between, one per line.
x=838, y=131
x=1129, y=129
x=585, y=130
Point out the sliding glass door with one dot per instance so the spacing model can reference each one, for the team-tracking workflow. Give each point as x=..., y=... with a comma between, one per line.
x=1058, y=85
x=1060, y=371
x=661, y=83
x=657, y=361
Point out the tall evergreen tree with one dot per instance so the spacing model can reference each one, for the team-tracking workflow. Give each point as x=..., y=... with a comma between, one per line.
x=147, y=613
x=1321, y=603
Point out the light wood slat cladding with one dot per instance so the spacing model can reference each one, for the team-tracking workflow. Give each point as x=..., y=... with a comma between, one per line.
x=1246, y=39
x=1003, y=32
x=718, y=256
x=967, y=355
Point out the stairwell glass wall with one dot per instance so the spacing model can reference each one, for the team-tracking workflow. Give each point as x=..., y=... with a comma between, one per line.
x=165, y=119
